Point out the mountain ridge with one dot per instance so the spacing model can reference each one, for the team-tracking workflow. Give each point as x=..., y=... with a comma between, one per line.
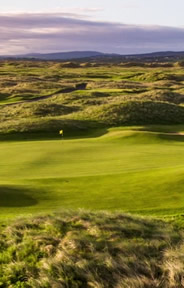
x=73, y=55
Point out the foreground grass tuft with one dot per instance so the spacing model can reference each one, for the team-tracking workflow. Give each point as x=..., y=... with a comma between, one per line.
x=83, y=249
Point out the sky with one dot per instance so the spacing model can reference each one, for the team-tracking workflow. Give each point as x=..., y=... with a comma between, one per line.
x=118, y=26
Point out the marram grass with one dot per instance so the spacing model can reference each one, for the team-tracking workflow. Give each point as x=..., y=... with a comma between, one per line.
x=85, y=249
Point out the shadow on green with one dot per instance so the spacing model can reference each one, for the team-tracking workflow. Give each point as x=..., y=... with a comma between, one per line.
x=15, y=197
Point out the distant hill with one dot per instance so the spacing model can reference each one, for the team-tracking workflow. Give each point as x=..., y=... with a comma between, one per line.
x=98, y=56
x=164, y=56
x=159, y=54
x=57, y=56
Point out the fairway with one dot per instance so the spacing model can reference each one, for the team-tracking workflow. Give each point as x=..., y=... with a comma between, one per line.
x=128, y=170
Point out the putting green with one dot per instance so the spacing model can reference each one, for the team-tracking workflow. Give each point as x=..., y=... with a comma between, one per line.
x=135, y=171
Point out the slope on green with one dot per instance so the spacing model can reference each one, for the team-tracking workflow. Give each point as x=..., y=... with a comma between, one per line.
x=127, y=170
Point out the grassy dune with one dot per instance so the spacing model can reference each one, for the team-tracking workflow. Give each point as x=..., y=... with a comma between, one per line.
x=40, y=96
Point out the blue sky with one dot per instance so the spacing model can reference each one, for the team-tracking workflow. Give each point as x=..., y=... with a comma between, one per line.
x=120, y=26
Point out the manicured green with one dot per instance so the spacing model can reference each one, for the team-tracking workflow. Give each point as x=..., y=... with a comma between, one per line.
x=128, y=170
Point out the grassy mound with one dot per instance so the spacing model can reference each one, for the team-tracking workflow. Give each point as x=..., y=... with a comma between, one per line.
x=49, y=116
x=157, y=76
x=83, y=249
x=139, y=112
x=159, y=95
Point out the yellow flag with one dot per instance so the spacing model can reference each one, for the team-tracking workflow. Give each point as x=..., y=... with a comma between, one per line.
x=61, y=132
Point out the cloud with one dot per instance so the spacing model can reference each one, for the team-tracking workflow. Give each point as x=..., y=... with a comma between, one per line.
x=52, y=32
x=80, y=10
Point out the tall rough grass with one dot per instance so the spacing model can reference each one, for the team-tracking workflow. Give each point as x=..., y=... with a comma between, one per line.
x=85, y=249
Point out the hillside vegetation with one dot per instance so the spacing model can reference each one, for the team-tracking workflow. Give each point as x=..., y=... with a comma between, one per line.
x=40, y=96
